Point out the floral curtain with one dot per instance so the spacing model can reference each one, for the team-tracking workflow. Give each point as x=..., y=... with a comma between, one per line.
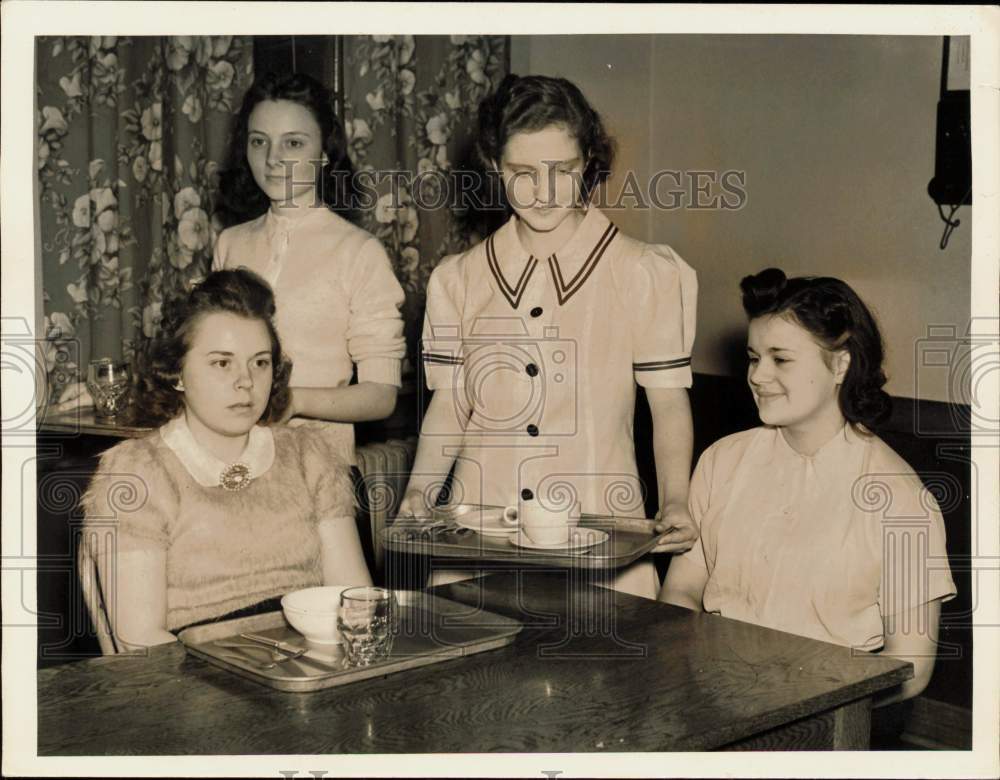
x=131, y=132
x=410, y=109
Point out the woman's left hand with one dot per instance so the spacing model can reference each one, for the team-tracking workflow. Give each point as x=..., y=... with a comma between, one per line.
x=678, y=528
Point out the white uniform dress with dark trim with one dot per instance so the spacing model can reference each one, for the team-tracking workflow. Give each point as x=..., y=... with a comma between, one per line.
x=547, y=353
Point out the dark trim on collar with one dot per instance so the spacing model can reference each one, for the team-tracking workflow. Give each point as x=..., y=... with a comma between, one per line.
x=566, y=291
x=512, y=294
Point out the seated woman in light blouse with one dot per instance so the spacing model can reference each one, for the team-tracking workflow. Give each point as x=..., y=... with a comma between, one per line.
x=217, y=514
x=811, y=524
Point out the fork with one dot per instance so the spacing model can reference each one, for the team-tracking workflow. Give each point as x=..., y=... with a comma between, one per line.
x=276, y=656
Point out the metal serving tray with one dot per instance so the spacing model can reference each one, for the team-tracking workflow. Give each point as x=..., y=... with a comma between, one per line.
x=444, y=536
x=430, y=630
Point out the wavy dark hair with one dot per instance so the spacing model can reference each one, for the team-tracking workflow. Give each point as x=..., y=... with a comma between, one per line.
x=837, y=319
x=531, y=103
x=240, y=197
x=240, y=292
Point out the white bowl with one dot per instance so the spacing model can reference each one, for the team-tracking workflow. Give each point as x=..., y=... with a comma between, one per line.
x=313, y=612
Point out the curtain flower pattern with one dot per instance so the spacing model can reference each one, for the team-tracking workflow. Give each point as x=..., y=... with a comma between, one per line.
x=131, y=132
x=130, y=135
x=409, y=109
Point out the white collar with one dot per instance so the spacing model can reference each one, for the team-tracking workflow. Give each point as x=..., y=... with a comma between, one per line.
x=581, y=254
x=839, y=454
x=283, y=223
x=207, y=469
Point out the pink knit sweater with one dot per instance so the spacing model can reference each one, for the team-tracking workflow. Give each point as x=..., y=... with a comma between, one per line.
x=225, y=550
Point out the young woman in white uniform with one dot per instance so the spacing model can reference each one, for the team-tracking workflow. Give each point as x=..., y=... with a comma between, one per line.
x=534, y=340
x=811, y=524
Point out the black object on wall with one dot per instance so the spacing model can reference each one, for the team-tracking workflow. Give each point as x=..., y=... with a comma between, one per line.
x=951, y=186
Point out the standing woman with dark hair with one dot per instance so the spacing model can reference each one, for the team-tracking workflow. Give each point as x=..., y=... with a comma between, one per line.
x=337, y=297
x=534, y=340
x=217, y=514
x=801, y=518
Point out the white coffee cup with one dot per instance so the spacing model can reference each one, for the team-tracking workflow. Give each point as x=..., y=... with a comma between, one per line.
x=541, y=524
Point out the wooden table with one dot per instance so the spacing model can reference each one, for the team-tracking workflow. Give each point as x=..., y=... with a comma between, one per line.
x=84, y=422
x=593, y=670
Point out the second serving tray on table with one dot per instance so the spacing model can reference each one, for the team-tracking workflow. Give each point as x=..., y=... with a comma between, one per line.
x=430, y=629
x=450, y=533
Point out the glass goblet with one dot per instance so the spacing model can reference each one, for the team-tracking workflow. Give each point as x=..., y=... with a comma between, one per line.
x=108, y=382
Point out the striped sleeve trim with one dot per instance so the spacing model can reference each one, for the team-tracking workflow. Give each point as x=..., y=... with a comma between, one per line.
x=439, y=358
x=662, y=365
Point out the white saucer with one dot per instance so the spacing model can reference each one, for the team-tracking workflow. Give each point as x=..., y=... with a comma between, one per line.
x=489, y=522
x=580, y=539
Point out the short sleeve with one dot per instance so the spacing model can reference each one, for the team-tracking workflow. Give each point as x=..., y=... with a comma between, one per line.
x=699, y=495
x=324, y=457
x=699, y=492
x=662, y=295
x=443, y=359
x=915, y=568
x=375, y=328
x=130, y=498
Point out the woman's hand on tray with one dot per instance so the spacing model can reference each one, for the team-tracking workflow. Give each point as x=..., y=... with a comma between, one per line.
x=414, y=507
x=678, y=529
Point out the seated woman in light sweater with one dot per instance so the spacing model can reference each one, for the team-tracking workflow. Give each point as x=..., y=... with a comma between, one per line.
x=217, y=514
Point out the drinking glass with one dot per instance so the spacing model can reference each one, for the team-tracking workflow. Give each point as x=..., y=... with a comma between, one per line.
x=108, y=383
x=367, y=624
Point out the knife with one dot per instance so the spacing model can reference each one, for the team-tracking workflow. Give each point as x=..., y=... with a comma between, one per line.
x=639, y=524
x=283, y=647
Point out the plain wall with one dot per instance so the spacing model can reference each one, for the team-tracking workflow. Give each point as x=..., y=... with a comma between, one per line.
x=836, y=136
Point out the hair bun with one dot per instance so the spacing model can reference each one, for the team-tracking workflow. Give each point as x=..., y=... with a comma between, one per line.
x=762, y=290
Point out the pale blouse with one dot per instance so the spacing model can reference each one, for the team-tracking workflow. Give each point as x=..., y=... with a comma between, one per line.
x=225, y=550
x=336, y=295
x=822, y=546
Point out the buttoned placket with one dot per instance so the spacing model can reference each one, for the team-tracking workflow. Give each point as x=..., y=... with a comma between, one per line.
x=522, y=280
x=279, y=233
x=540, y=303
x=534, y=301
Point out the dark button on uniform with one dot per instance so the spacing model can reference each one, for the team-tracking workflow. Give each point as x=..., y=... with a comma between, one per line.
x=532, y=430
x=531, y=369
x=527, y=495
x=536, y=312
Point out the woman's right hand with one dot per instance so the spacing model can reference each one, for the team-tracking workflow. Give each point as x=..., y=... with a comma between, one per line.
x=413, y=506
x=74, y=396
